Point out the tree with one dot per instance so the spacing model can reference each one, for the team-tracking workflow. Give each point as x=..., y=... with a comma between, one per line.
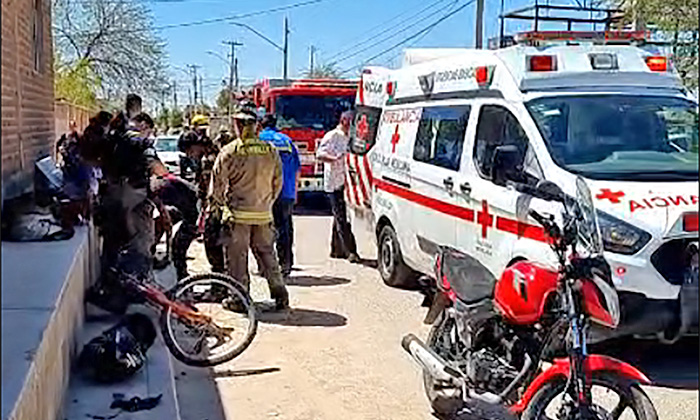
x=672, y=21
x=115, y=40
x=76, y=83
x=163, y=119
x=323, y=71
x=176, y=118
x=224, y=99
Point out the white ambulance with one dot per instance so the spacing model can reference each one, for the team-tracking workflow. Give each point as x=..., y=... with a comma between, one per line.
x=436, y=141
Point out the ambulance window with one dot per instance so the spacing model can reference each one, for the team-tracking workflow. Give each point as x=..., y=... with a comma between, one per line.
x=498, y=127
x=363, y=133
x=441, y=136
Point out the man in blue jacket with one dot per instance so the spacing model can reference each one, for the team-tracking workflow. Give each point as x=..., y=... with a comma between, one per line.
x=282, y=209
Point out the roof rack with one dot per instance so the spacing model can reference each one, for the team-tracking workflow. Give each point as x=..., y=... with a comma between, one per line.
x=611, y=15
x=596, y=37
x=558, y=13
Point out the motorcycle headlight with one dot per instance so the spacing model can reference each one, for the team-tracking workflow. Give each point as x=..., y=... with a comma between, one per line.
x=619, y=236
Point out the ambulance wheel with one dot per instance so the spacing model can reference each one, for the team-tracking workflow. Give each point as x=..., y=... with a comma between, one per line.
x=392, y=268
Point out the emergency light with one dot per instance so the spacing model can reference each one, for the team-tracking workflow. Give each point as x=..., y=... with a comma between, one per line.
x=603, y=61
x=481, y=74
x=541, y=63
x=657, y=63
x=690, y=222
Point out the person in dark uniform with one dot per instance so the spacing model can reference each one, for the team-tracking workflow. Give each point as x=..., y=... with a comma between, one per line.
x=179, y=198
x=129, y=162
x=204, y=152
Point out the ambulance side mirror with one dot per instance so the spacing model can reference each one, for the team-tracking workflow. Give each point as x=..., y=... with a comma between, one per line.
x=506, y=160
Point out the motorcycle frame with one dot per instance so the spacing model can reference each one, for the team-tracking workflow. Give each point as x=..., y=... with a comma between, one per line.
x=577, y=369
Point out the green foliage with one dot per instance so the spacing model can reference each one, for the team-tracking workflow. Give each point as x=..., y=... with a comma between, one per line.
x=163, y=119
x=224, y=99
x=675, y=22
x=76, y=83
x=176, y=118
x=323, y=71
x=116, y=39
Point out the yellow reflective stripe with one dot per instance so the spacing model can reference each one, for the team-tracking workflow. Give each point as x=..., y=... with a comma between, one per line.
x=241, y=214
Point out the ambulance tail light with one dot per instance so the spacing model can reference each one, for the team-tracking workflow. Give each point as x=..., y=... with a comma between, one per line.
x=482, y=76
x=541, y=63
x=657, y=63
x=390, y=88
x=690, y=222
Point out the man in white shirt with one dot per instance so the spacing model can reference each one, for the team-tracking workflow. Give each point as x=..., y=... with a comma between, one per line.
x=331, y=152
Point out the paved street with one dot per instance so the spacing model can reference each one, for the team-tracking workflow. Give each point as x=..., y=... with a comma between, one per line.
x=338, y=355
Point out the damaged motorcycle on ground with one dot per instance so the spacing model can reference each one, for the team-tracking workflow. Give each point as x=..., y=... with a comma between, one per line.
x=519, y=342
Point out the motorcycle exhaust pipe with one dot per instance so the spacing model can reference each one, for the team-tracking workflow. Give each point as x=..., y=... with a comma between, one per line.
x=438, y=368
x=435, y=365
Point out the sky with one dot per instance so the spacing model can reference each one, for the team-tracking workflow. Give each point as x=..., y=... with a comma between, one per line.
x=337, y=29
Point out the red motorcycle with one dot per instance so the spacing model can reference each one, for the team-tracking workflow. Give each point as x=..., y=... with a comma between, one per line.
x=519, y=342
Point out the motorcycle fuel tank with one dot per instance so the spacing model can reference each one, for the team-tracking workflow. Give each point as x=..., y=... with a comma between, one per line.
x=522, y=291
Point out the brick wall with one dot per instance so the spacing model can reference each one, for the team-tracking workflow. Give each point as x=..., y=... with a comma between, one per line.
x=27, y=91
x=65, y=112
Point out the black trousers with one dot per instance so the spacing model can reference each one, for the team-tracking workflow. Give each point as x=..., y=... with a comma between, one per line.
x=284, y=239
x=342, y=241
x=184, y=198
x=212, y=244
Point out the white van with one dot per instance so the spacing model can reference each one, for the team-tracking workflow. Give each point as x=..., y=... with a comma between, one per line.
x=435, y=141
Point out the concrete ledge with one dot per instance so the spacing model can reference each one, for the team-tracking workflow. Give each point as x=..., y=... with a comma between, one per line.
x=43, y=286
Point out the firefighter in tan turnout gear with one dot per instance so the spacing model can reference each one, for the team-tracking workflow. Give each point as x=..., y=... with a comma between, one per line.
x=246, y=180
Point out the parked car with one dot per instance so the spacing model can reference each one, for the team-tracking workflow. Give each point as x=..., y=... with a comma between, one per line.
x=166, y=146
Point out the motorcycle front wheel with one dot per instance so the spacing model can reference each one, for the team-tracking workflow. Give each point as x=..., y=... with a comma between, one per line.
x=613, y=398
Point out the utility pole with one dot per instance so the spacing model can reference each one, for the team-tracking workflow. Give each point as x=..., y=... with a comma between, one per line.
x=175, y=94
x=502, y=32
x=311, y=60
x=233, y=72
x=201, y=92
x=286, y=48
x=193, y=68
x=479, y=24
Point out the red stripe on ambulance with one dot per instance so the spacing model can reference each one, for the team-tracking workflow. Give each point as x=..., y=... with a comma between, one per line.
x=485, y=220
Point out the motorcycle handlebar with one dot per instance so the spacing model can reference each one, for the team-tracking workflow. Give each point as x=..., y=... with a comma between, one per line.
x=539, y=218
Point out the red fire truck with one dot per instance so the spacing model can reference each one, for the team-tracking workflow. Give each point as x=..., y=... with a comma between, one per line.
x=306, y=109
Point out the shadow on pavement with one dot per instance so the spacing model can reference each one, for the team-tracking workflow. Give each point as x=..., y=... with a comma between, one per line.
x=312, y=205
x=297, y=317
x=671, y=366
x=234, y=373
x=313, y=281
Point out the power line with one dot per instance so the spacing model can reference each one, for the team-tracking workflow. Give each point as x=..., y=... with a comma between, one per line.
x=221, y=19
x=404, y=29
x=370, y=31
x=415, y=35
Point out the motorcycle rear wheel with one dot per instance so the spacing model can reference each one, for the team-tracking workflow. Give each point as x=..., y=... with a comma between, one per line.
x=633, y=401
x=445, y=402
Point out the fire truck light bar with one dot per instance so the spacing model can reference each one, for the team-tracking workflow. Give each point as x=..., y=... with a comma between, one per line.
x=605, y=36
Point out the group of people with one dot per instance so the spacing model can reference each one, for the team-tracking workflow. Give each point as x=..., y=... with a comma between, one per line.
x=243, y=193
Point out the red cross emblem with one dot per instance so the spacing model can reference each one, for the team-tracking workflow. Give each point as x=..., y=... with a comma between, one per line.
x=395, y=139
x=484, y=218
x=362, y=128
x=606, y=194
